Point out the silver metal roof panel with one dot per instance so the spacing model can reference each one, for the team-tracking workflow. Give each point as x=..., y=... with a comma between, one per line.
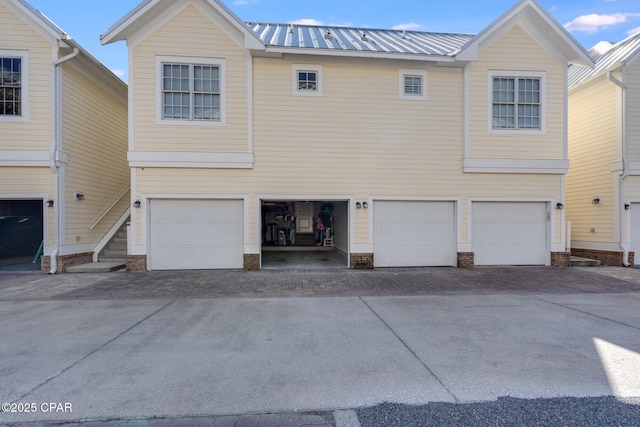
x=359, y=39
x=615, y=57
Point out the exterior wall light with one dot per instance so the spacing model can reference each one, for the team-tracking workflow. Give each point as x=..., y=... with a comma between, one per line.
x=627, y=206
x=596, y=200
x=358, y=205
x=78, y=196
x=559, y=206
x=137, y=204
x=49, y=203
x=365, y=205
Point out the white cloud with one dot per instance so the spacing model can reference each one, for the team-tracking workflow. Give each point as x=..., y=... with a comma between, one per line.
x=306, y=21
x=245, y=2
x=593, y=23
x=408, y=26
x=119, y=73
x=633, y=31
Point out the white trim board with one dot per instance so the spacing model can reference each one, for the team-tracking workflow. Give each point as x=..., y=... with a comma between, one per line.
x=181, y=159
x=538, y=166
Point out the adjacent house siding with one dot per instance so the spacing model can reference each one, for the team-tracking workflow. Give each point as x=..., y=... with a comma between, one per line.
x=189, y=34
x=95, y=141
x=34, y=134
x=593, y=133
x=516, y=51
x=632, y=81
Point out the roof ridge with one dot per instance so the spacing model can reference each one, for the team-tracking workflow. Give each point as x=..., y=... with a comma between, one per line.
x=350, y=27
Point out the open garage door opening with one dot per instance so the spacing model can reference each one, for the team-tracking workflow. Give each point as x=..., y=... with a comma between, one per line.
x=304, y=234
x=21, y=234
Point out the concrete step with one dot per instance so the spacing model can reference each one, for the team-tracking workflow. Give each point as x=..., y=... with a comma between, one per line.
x=114, y=253
x=584, y=262
x=103, y=258
x=96, y=267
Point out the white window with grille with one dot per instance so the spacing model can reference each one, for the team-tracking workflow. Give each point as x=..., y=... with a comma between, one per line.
x=191, y=90
x=13, y=85
x=307, y=80
x=517, y=102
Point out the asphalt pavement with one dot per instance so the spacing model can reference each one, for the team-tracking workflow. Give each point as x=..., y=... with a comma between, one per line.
x=501, y=346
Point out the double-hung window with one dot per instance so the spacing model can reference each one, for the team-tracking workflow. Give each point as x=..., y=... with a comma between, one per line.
x=191, y=91
x=13, y=88
x=517, y=102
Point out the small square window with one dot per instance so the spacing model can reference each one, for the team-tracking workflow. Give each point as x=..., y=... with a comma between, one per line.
x=307, y=80
x=413, y=84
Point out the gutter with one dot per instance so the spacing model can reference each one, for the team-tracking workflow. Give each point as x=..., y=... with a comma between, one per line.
x=56, y=154
x=624, y=245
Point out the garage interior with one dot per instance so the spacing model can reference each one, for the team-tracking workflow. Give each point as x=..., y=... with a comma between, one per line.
x=21, y=234
x=305, y=234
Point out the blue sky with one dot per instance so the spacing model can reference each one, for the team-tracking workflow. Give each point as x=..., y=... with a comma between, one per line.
x=589, y=21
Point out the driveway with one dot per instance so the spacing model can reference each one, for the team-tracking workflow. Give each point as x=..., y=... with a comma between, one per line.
x=191, y=344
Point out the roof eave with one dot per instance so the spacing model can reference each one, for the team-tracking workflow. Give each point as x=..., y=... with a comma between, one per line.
x=146, y=11
x=359, y=54
x=530, y=11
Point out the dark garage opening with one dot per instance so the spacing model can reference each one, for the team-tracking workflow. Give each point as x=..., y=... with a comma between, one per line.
x=21, y=234
x=304, y=234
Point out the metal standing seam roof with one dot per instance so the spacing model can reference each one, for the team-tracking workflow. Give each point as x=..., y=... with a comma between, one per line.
x=354, y=40
x=616, y=56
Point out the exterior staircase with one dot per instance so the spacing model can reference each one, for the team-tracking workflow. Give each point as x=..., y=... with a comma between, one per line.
x=111, y=258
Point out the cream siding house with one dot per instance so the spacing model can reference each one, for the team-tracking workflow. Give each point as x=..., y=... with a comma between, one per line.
x=603, y=186
x=407, y=147
x=63, y=142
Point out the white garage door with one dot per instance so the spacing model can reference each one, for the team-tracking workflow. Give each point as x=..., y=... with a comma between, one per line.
x=635, y=230
x=414, y=234
x=196, y=234
x=513, y=233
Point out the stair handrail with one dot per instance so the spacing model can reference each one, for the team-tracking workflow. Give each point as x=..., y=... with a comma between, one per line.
x=111, y=206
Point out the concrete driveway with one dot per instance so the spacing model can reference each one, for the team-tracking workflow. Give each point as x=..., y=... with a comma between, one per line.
x=132, y=346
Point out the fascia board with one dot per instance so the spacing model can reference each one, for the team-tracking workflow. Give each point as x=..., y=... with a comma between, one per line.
x=358, y=54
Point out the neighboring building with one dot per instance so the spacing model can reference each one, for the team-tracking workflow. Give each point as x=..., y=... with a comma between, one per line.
x=63, y=143
x=603, y=186
x=415, y=148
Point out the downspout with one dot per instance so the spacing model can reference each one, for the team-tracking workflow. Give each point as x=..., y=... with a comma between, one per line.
x=625, y=173
x=55, y=151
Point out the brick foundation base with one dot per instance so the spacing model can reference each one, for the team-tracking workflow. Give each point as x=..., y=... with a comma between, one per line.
x=361, y=261
x=560, y=259
x=136, y=263
x=252, y=262
x=65, y=261
x=466, y=259
x=612, y=258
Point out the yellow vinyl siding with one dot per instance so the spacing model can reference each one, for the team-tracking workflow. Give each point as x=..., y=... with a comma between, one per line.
x=592, y=149
x=633, y=110
x=95, y=141
x=516, y=51
x=220, y=182
x=358, y=139
x=34, y=134
x=189, y=34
